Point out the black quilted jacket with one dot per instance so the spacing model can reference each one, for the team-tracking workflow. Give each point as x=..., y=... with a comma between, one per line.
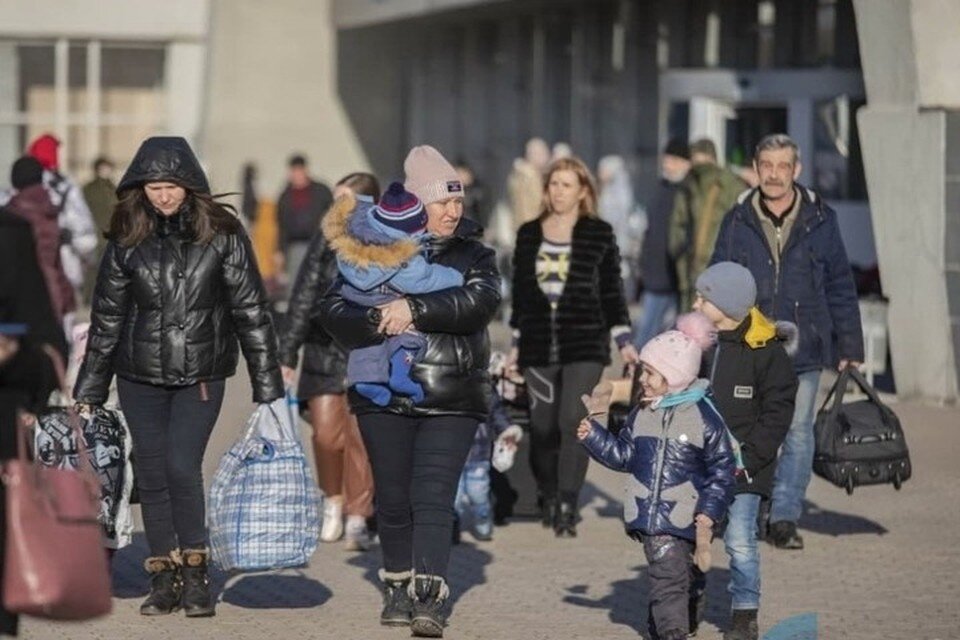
x=453, y=370
x=169, y=311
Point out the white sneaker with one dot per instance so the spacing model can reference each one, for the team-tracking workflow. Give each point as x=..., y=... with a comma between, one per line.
x=357, y=537
x=332, y=529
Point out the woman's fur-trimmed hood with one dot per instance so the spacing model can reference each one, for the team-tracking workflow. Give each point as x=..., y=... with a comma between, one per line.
x=348, y=230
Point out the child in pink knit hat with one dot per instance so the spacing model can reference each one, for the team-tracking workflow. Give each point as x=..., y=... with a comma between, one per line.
x=682, y=469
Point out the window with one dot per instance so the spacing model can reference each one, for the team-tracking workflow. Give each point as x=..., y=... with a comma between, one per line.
x=98, y=98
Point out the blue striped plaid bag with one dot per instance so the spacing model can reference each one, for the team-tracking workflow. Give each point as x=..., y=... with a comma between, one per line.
x=263, y=511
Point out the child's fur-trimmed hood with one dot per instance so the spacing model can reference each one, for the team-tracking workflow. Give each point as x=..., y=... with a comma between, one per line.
x=347, y=230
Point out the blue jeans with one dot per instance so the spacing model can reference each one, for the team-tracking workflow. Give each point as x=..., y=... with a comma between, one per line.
x=740, y=541
x=656, y=307
x=796, y=454
x=473, y=496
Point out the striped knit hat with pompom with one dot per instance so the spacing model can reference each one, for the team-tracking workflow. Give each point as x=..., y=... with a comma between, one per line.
x=401, y=210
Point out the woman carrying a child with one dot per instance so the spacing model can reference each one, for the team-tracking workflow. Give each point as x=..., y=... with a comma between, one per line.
x=567, y=302
x=418, y=415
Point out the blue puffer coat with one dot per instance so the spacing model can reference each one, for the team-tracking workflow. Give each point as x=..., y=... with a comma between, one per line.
x=680, y=462
x=813, y=287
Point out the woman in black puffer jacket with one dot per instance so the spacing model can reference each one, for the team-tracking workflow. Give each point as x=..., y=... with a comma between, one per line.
x=417, y=450
x=177, y=288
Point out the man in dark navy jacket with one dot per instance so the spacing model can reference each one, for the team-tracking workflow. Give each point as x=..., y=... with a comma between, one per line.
x=789, y=239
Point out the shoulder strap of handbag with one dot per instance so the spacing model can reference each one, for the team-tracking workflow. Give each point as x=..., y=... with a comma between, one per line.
x=705, y=222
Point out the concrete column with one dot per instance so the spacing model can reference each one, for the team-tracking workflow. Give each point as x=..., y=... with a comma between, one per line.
x=911, y=163
x=272, y=90
x=186, y=65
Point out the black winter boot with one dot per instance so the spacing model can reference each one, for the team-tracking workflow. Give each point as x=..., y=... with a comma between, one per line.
x=165, y=586
x=783, y=535
x=743, y=625
x=548, y=511
x=197, y=602
x=430, y=595
x=397, y=605
x=566, y=525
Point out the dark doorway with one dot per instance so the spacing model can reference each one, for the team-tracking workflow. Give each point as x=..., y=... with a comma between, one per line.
x=748, y=127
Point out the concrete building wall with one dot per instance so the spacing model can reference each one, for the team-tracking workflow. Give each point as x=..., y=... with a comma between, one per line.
x=271, y=90
x=121, y=19
x=913, y=176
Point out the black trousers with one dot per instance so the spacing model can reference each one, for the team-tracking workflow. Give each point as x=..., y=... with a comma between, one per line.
x=170, y=427
x=558, y=460
x=670, y=566
x=416, y=469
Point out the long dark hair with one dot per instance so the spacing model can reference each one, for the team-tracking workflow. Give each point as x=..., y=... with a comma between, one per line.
x=132, y=220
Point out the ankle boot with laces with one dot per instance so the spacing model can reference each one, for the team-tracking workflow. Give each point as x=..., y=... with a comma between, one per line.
x=397, y=604
x=196, y=602
x=165, y=585
x=430, y=595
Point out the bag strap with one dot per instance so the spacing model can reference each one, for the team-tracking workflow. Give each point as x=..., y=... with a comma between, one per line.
x=865, y=386
x=838, y=389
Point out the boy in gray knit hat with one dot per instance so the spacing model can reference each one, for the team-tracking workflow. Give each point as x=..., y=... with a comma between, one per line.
x=754, y=388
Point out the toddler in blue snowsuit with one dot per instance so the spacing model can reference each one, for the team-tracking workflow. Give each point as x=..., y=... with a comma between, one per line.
x=379, y=256
x=473, y=492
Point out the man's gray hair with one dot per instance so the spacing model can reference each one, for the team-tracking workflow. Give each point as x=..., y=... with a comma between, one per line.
x=776, y=141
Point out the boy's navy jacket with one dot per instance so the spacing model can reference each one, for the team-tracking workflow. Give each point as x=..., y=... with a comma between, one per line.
x=679, y=459
x=754, y=387
x=813, y=287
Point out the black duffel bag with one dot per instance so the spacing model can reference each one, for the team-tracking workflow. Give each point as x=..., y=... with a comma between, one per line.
x=859, y=443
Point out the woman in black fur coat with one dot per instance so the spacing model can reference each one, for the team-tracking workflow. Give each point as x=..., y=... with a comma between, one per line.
x=567, y=302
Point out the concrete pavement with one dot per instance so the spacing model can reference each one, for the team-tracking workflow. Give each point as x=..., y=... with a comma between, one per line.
x=881, y=564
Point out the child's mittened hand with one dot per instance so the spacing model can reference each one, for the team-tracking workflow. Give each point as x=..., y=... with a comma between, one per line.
x=584, y=429
x=701, y=555
x=598, y=402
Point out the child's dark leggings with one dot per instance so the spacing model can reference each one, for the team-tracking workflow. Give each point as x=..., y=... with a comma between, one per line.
x=170, y=427
x=669, y=561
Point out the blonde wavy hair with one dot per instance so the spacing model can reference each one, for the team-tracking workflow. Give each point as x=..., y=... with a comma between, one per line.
x=588, y=205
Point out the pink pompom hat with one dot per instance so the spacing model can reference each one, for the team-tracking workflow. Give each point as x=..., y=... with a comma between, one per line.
x=676, y=354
